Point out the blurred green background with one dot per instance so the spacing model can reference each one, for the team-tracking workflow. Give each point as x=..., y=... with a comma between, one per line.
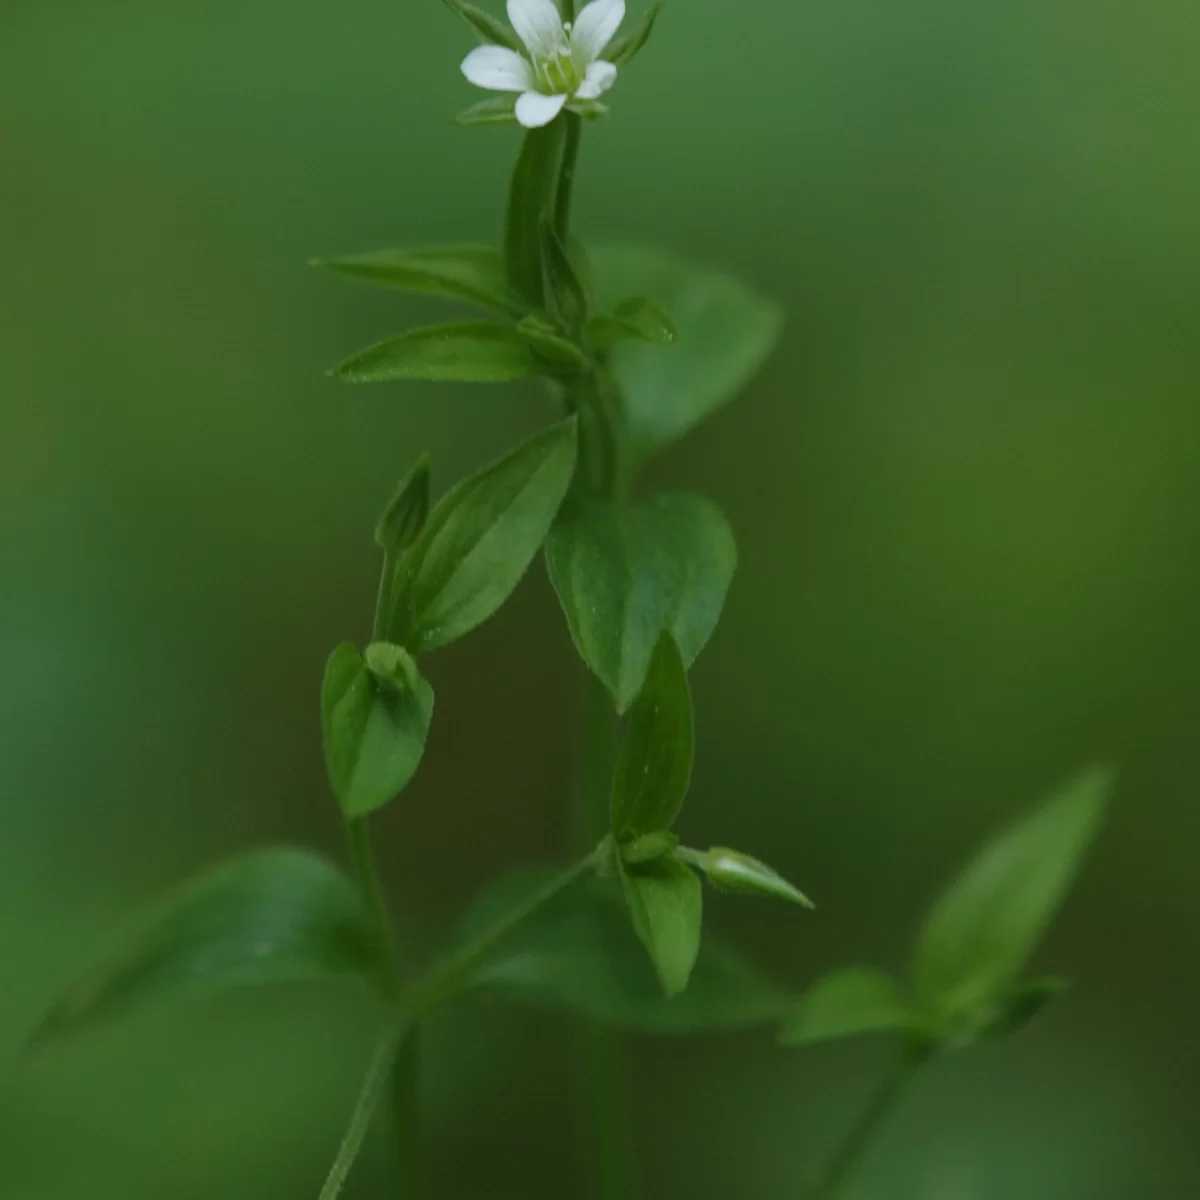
x=966, y=493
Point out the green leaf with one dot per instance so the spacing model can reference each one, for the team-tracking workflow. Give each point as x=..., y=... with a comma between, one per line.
x=725, y=333
x=732, y=871
x=648, y=847
x=558, y=354
x=472, y=274
x=624, y=49
x=566, y=293
x=480, y=539
x=580, y=955
x=375, y=714
x=407, y=511
x=981, y=932
x=499, y=110
x=487, y=27
x=654, y=767
x=665, y=902
x=275, y=916
x=466, y=352
x=532, y=198
x=624, y=575
x=1020, y=1007
x=852, y=1001
x=638, y=319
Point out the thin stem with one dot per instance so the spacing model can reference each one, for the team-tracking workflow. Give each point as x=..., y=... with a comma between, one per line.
x=605, y=1127
x=406, y=1116
x=382, y=616
x=366, y=871
x=858, y=1141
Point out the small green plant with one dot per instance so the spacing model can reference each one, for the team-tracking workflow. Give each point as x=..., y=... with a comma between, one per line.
x=635, y=348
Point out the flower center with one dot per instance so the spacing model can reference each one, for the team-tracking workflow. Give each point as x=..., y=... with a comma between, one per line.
x=558, y=75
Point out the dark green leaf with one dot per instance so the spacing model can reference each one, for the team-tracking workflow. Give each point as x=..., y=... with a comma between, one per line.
x=981, y=932
x=626, y=47
x=487, y=27
x=624, y=575
x=499, y=110
x=472, y=274
x=732, y=871
x=274, y=916
x=480, y=539
x=849, y=1002
x=580, y=955
x=467, y=352
x=637, y=319
x=725, y=333
x=375, y=714
x=407, y=511
x=1020, y=1007
x=566, y=293
x=665, y=902
x=654, y=767
x=559, y=355
x=532, y=199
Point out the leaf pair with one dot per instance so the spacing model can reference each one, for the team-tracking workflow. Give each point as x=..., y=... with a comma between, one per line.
x=976, y=941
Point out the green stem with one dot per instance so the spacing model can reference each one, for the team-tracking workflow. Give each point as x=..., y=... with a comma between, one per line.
x=406, y=1116
x=605, y=1127
x=566, y=176
x=858, y=1141
x=366, y=871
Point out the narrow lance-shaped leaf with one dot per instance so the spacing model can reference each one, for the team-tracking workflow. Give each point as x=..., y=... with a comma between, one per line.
x=654, y=767
x=981, y=932
x=622, y=576
x=404, y=517
x=471, y=274
x=480, y=540
x=466, y=352
x=275, y=916
x=375, y=715
x=732, y=871
x=853, y=1001
x=532, y=198
x=665, y=904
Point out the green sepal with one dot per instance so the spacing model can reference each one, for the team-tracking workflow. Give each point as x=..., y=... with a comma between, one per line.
x=461, y=352
x=487, y=27
x=499, y=110
x=626, y=47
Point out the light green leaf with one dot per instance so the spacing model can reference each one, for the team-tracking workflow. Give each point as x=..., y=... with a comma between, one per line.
x=1020, y=1006
x=375, y=715
x=487, y=27
x=275, y=916
x=654, y=766
x=532, y=199
x=580, y=955
x=467, y=352
x=852, y=1001
x=981, y=932
x=638, y=319
x=732, y=871
x=472, y=274
x=624, y=575
x=725, y=333
x=480, y=539
x=624, y=49
x=499, y=110
x=407, y=511
x=665, y=902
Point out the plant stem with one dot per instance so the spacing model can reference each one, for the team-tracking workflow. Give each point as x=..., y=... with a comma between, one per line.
x=406, y=1116
x=850, y=1153
x=605, y=1128
x=566, y=176
x=362, y=855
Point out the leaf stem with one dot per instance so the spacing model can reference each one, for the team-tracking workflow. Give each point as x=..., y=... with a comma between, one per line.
x=862, y=1134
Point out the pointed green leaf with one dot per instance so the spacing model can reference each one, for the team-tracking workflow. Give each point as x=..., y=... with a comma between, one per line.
x=559, y=355
x=853, y=1001
x=480, y=539
x=580, y=955
x=532, y=198
x=623, y=575
x=665, y=902
x=566, y=293
x=488, y=28
x=1020, y=1007
x=654, y=767
x=725, y=331
x=638, y=319
x=375, y=715
x=467, y=352
x=624, y=49
x=274, y=916
x=472, y=274
x=407, y=511
x=981, y=932
x=499, y=110
x=732, y=871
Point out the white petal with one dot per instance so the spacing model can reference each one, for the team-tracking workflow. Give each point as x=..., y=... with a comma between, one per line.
x=535, y=110
x=599, y=78
x=538, y=24
x=595, y=27
x=498, y=69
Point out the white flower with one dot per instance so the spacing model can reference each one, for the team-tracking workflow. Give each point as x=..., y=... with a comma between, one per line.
x=563, y=67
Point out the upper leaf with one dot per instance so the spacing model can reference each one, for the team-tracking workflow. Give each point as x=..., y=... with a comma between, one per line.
x=466, y=352
x=406, y=512
x=479, y=540
x=624, y=575
x=981, y=932
x=274, y=916
x=472, y=274
x=665, y=903
x=654, y=767
x=532, y=199
x=725, y=334
x=852, y=1001
x=375, y=715
x=580, y=955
